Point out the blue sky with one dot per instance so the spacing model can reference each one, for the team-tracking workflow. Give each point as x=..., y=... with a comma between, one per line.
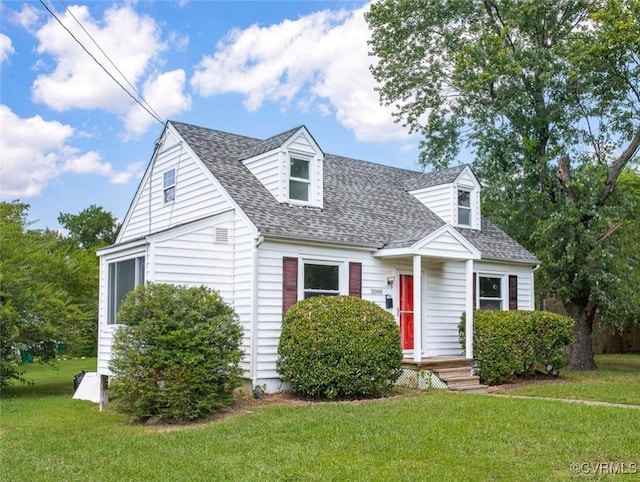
x=70, y=137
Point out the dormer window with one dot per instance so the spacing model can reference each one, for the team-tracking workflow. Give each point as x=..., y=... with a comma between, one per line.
x=299, y=180
x=464, y=207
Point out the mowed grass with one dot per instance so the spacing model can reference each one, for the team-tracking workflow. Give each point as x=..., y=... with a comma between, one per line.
x=45, y=435
x=617, y=380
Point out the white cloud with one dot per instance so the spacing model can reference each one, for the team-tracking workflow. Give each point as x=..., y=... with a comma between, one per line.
x=27, y=18
x=133, y=42
x=36, y=151
x=318, y=60
x=77, y=81
x=165, y=94
x=6, y=48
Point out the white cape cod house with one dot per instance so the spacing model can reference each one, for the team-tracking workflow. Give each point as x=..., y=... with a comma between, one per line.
x=269, y=222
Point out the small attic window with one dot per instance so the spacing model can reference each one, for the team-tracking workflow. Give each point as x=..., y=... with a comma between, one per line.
x=464, y=207
x=169, y=185
x=299, y=180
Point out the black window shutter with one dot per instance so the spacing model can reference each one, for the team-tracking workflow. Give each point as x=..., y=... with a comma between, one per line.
x=289, y=283
x=355, y=280
x=513, y=292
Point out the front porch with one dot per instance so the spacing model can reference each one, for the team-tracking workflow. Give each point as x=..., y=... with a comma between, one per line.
x=453, y=373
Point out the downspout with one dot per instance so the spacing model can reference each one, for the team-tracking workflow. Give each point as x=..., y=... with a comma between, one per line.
x=254, y=311
x=533, y=289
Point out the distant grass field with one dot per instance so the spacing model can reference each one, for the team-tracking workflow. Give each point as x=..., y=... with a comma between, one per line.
x=617, y=380
x=442, y=436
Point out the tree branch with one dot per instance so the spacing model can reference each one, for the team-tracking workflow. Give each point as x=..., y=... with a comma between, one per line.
x=618, y=166
x=612, y=229
x=564, y=176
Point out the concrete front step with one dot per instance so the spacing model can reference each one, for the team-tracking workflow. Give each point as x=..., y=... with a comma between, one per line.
x=443, y=373
x=453, y=382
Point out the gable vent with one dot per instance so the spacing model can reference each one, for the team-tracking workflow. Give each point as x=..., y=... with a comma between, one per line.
x=221, y=235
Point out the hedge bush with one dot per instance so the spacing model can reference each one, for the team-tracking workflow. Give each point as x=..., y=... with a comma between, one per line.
x=509, y=344
x=339, y=346
x=177, y=357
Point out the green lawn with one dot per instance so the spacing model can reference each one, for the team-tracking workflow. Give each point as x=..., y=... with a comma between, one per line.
x=45, y=435
x=616, y=381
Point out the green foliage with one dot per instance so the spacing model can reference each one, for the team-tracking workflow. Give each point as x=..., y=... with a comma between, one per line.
x=177, y=357
x=91, y=228
x=507, y=344
x=545, y=95
x=37, y=305
x=339, y=347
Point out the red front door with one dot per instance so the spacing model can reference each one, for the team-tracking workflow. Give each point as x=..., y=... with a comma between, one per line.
x=406, y=310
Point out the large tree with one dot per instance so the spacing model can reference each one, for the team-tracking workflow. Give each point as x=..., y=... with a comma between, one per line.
x=91, y=228
x=36, y=307
x=546, y=95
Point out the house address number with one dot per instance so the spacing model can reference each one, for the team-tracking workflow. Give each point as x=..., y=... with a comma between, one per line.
x=376, y=291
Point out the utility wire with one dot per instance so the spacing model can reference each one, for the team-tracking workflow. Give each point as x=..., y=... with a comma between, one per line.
x=155, y=116
x=140, y=96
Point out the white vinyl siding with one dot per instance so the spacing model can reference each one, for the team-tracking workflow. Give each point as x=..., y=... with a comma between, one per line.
x=270, y=255
x=438, y=199
x=199, y=196
x=268, y=169
x=523, y=272
x=444, y=296
x=273, y=170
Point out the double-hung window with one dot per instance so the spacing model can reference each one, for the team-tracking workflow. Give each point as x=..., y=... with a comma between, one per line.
x=490, y=293
x=321, y=280
x=299, y=179
x=169, y=185
x=124, y=276
x=464, y=208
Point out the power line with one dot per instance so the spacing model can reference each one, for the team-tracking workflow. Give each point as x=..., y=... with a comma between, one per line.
x=155, y=116
x=109, y=59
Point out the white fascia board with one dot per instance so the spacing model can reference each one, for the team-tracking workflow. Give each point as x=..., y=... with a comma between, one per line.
x=468, y=169
x=474, y=253
x=119, y=248
x=419, y=249
x=145, y=177
x=221, y=217
x=214, y=181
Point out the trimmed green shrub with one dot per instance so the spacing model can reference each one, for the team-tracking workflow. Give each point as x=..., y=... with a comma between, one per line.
x=339, y=346
x=177, y=357
x=509, y=344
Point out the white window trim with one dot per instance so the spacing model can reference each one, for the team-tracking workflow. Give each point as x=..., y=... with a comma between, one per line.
x=140, y=277
x=471, y=192
x=311, y=181
x=165, y=188
x=343, y=276
x=504, y=289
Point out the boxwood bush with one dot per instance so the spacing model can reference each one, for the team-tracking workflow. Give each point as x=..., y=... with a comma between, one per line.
x=339, y=346
x=177, y=356
x=508, y=344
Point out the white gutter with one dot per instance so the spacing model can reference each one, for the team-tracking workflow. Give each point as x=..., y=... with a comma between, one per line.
x=254, y=311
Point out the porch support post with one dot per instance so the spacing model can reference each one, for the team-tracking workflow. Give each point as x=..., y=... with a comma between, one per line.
x=469, y=309
x=417, y=308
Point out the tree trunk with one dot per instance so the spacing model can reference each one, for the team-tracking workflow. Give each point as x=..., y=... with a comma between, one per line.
x=581, y=357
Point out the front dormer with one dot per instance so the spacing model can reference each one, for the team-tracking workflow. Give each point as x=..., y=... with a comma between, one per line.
x=290, y=166
x=453, y=194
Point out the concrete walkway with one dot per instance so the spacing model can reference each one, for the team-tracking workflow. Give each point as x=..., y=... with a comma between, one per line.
x=569, y=400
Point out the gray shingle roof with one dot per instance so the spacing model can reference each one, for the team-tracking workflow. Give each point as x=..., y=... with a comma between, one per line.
x=268, y=144
x=365, y=204
x=435, y=178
